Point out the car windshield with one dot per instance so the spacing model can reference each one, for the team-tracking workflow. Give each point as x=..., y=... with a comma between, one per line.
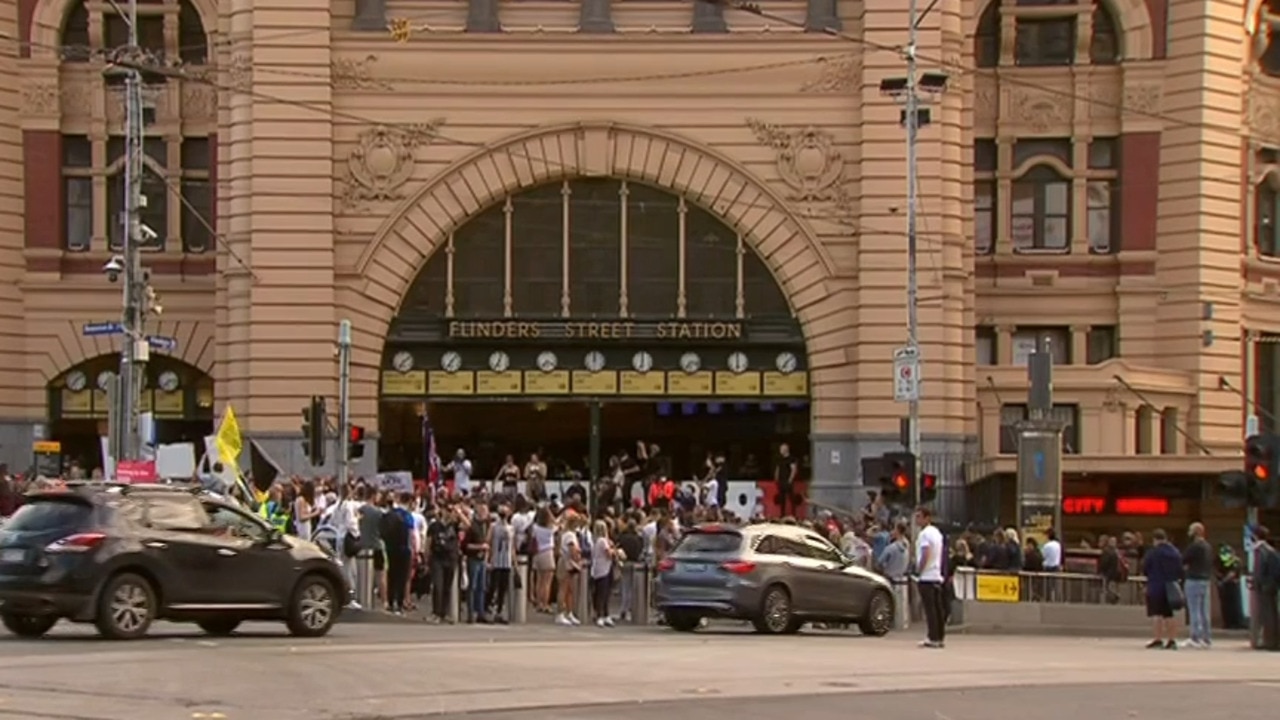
x=44, y=514
x=708, y=543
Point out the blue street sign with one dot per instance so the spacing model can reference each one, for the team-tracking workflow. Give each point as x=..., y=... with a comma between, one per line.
x=102, y=328
x=1038, y=461
x=159, y=342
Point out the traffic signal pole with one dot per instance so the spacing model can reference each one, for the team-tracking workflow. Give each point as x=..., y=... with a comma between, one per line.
x=343, y=454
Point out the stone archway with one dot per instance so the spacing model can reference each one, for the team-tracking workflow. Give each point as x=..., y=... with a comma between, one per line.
x=788, y=245
x=48, y=15
x=1133, y=21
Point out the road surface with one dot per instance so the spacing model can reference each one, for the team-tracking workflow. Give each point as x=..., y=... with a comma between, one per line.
x=412, y=671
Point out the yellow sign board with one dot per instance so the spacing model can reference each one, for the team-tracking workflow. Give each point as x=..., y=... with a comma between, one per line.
x=690, y=384
x=793, y=384
x=498, y=383
x=734, y=384
x=586, y=382
x=440, y=382
x=998, y=588
x=77, y=403
x=50, y=447
x=537, y=382
x=646, y=383
x=168, y=403
x=413, y=382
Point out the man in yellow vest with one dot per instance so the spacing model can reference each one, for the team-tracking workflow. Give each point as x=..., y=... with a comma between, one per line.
x=274, y=512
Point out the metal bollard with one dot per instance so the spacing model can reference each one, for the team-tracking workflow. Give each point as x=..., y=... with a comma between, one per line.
x=641, y=604
x=455, y=593
x=901, y=604
x=517, y=598
x=364, y=579
x=582, y=603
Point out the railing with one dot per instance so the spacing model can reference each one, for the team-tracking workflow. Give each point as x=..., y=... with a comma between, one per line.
x=1053, y=587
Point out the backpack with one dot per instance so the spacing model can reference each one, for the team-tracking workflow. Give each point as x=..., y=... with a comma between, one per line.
x=394, y=530
x=444, y=540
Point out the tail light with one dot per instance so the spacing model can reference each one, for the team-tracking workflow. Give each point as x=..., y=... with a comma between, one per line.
x=738, y=567
x=78, y=543
x=666, y=565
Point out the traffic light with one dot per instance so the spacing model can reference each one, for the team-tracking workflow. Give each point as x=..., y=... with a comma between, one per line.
x=355, y=442
x=900, y=474
x=314, y=420
x=928, y=487
x=1260, y=456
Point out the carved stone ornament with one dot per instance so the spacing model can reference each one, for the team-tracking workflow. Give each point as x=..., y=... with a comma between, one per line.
x=986, y=104
x=1041, y=111
x=199, y=101
x=840, y=74
x=1105, y=100
x=240, y=73
x=1263, y=114
x=356, y=74
x=811, y=165
x=383, y=161
x=1143, y=99
x=41, y=98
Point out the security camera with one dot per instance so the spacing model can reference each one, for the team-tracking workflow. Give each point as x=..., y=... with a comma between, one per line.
x=147, y=233
x=113, y=268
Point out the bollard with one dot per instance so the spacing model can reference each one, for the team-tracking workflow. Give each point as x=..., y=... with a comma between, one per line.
x=627, y=592
x=641, y=603
x=901, y=604
x=518, y=598
x=582, y=603
x=364, y=579
x=455, y=593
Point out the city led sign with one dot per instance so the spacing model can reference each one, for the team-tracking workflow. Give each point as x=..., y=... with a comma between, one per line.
x=1098, y=505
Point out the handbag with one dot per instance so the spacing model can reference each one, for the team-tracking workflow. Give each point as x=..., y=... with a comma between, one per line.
x=1174, y=595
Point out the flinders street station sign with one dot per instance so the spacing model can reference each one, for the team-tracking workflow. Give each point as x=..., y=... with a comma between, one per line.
x=593, y=330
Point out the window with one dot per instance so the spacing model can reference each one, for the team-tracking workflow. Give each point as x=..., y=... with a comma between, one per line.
x=1266, y=357
x=1268, y=35
x=1056, y=340
x=226, y=522
x=44, y=515
x=1041, y=218
x=154, y=214
x=1266, y=210
x=75, y=35
x=77, y=189
x=653, y=225
x=537, y=248
x=1100, y=194
x=594, y=257
x=763, y=295
x=1101, y=344
x=984, y=215
x=477, y=265
x=1045, y=41
x=1104, y=45
x=1066, y=415
x=187, y=36
x=1058, y=148
x=1169, y=431
x=986, y=42
x=709, y=543
x=711, y=256
x=193, y=44
x=197, y=200
x=180, y=514
x=1102, y=154
x=986, y=345
x=818, y=549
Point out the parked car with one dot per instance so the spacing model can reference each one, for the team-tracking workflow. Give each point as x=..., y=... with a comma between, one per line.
x=121, y=557
x=776, y=576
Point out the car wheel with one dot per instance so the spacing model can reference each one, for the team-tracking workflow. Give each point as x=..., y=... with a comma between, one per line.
x=878, y=619
x=314, y=607
x=776, y=617
x=28, y=626
x=683, y=620
x=220, y=627
x=126, y=607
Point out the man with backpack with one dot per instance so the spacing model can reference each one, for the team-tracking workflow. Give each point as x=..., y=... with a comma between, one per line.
x=397, y=536
x=442, y=559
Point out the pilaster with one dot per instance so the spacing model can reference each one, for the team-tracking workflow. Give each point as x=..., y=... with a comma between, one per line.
x=12, y=358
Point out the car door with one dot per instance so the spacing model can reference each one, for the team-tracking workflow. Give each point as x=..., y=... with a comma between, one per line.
x=254, y=568
x=804, y=574
x=840, y=593
x=174, y=541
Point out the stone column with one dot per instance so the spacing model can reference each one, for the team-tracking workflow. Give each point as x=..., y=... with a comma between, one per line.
x=16, y=413
x=596, y=16
x=708, y=18
x=482, y=17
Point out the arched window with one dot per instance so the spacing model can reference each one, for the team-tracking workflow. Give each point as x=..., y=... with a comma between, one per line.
x=1268, y=34
x=1104, y=46
x=75, y=34
x=986, y=41
x=1041, y=217
x=1266, y=211
x=186, y=39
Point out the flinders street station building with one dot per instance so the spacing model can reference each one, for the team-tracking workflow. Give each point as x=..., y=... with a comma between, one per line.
x=568, y=226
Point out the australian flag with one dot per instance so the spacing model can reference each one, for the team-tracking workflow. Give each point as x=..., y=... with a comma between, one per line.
x=431, y=459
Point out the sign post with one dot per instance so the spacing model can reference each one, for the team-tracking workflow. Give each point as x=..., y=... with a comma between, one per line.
x=1039, y=453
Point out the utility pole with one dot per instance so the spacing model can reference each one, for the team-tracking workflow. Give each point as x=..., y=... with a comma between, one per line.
x=343, y=455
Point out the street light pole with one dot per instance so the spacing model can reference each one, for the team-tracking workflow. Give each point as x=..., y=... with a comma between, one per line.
x=912, y=106
x=134, y=352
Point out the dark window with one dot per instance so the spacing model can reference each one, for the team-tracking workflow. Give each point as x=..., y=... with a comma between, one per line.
x=1045, y=41
x=595, y=218
x=986, y=42
x=1041, y=217
x=1026, y=340
x=1102, y=154
x=986, y=345
x=711, y=265
x=1057, y=148
x=193, y=44
x=197, y=216
x=44, y=515
x=537, y=251
x=426, y=295
x=1270, y=60
x=115, y=210
x=984, y=216
x=75, y=34
x=1267, y=208
x=176, y=514
x=195, y=154
x=709, y=543
x=150, y=32
x=77, y=151
x=1101, y=344
x=1104, y=46
x=1103, y=219
x=653, y=251
x=1067, y=415
x=478, y=249
x=1267, y=363
x=985, y=155
x=762, y=293
x=78, y=197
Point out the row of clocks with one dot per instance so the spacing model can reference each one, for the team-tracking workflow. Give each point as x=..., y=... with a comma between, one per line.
x=77, y=381
x=594, y=361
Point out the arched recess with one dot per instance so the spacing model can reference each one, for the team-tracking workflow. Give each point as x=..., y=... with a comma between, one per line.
x=1131, y=16
x=787, y=245
x=49, y=15
x=173, y=389
x=61, y=345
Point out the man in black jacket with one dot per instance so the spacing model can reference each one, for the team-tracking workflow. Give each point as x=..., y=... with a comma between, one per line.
x=442, y=560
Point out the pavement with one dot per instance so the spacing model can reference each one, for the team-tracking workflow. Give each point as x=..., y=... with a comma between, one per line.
x=412, y=671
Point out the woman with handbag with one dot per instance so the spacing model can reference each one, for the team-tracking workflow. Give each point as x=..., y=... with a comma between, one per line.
x=1162, y=567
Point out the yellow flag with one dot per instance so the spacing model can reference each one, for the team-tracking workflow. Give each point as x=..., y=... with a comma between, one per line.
x=228, y=440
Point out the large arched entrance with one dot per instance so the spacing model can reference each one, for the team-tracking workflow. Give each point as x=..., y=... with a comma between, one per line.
x=579, y=317
x=179, y=396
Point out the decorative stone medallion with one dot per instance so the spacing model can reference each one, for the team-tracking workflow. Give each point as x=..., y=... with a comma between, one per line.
x=809, y=162
x=383, y=161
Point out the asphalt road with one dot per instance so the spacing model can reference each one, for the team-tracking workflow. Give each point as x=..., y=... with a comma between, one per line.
x=412, y=671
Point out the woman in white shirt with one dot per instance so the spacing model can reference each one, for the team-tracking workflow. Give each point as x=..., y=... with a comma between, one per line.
x=305, y=510
x=569, y=569
x=603, y=555
x=544, y=559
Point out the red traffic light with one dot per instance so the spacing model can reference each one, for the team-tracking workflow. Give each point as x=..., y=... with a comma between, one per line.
x=928, y=481
x=356, y=435
x=901, y=481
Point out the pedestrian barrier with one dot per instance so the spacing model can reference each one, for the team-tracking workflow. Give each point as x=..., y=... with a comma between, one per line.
x=1051, y=587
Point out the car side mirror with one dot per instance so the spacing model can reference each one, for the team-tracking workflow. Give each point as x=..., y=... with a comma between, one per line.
x=273, y=536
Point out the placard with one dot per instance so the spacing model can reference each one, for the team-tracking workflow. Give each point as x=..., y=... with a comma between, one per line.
x=737, y=384
x=690, y=384
x=792, y=384
x=440, y=382
x=586, y=382
x=638, y=383
x=537, y=382
x=498, y=383
x=413, y=382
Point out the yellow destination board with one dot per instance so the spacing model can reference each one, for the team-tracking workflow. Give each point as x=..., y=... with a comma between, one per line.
x=793, y=384
x=498, y=383
x=734, y=384
x=998, y=588
x=537, y=382
x=168, y=403
x=440, y=382
x=51, y=447
x=413, y=382
x=690, y=384
x=586, y=382
x=638, y=383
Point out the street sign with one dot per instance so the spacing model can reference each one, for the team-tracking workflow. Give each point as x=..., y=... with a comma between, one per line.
x=102, y=328
x=906, y=374
x=159, y=342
